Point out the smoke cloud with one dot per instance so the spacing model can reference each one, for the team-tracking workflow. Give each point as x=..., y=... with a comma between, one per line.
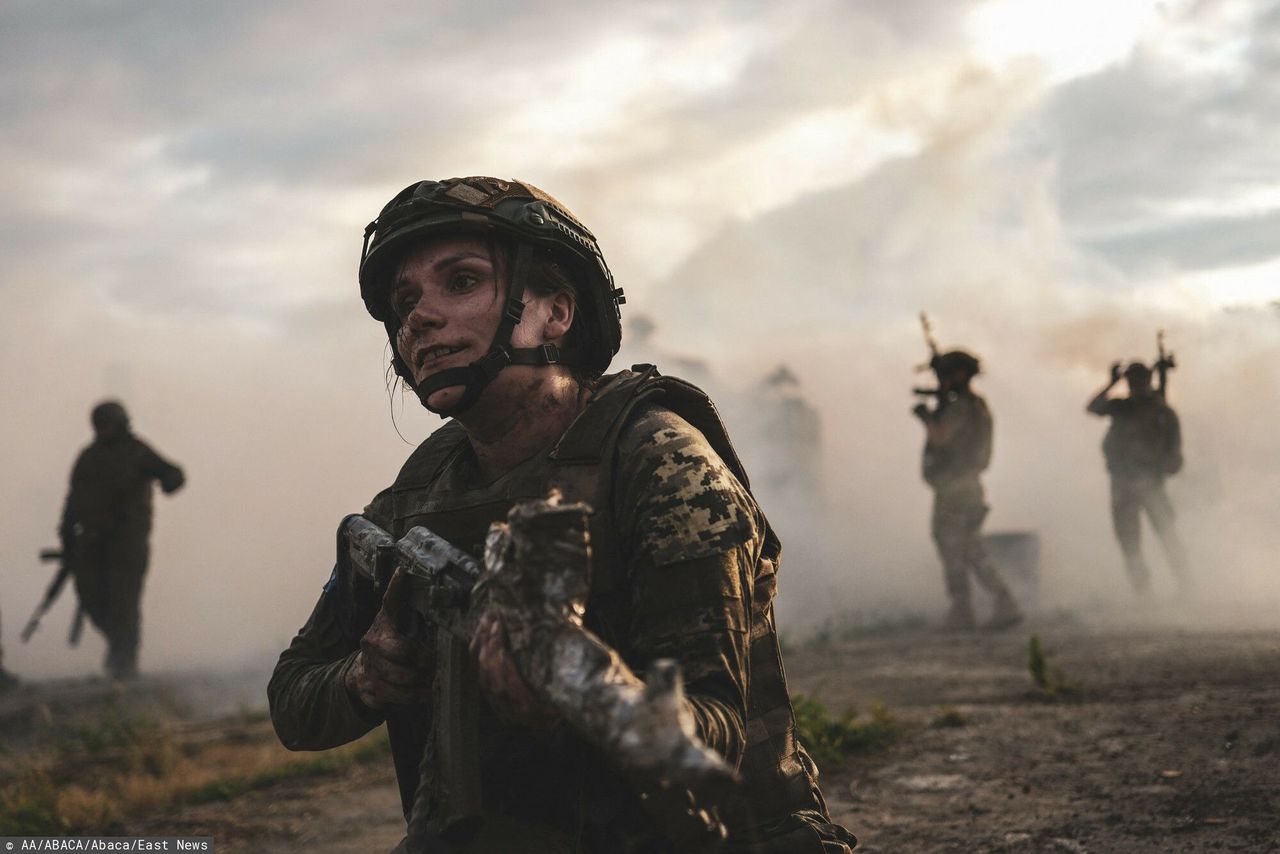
x=188, y=197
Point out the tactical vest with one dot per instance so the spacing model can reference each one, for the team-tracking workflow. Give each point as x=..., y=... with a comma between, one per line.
x=780, y=778
x=968, y=454
x=1143, y=438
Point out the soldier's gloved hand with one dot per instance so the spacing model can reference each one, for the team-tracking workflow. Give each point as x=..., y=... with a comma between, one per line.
x=391, y=668
x=507, y=692
x=1115, y=372
x=921, y=411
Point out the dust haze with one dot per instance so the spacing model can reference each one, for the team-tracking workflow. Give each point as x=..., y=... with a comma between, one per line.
x=196, y=258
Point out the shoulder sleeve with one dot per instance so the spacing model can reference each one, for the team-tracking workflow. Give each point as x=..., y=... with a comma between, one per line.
x=692, y=536
x=311, y=708
x=170, y=476
x=380, y=511
x=674, y=497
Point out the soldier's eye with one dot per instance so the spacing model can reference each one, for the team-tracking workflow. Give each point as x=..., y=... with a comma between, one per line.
x=462, y=282
x=403, y=304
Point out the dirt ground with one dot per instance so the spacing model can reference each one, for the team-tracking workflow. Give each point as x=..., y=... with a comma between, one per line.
x=1173, y=743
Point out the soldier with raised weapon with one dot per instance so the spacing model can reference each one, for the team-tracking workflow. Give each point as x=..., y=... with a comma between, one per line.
x=1143, y=448
x=957, y=450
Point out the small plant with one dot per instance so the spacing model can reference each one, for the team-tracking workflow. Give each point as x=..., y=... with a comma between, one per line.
x=1049, y=681
x=832, y=740
x=949, y=716
x=1038, y=664
x=29, y=806
x=821, y=639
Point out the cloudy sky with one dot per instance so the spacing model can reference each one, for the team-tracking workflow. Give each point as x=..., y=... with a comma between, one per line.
x=187, y=184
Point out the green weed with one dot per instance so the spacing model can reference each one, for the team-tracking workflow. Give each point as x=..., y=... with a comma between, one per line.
x=832, y=740
x=1050, y=682
x=29, y=806
x=949, y=716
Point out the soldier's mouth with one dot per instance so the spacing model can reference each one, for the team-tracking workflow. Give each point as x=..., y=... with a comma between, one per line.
x=435, y=353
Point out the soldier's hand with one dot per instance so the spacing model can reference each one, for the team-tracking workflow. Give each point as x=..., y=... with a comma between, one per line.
x=391, y=668
x=1115, y=372
x=921, y=411
x=509, y=695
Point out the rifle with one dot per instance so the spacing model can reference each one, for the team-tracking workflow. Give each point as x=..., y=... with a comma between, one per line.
x=1164, y=363
x=51, y=596
x=535, y=578
x=927, y=328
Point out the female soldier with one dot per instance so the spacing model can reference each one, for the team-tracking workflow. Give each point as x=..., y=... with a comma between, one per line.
x=503, y=316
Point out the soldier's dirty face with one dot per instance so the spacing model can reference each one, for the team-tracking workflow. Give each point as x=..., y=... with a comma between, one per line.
x=447, y=296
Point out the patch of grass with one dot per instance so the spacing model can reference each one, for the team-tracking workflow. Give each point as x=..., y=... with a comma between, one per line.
x=92, y=778
x=113, y=730
x=1050, y=682
x=317, y=765
x=29, y=807
x=821, y=637
x=832, y=740
x=947, y=717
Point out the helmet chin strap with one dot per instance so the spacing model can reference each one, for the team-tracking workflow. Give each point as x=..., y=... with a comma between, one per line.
x=475, y=377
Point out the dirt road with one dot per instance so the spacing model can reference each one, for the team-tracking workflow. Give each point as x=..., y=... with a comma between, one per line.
x=1173, y=743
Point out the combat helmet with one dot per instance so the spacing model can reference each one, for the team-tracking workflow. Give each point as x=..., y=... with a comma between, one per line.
x=109, y=417
x=533, y=221
x=956, y=360
x=1137, y=370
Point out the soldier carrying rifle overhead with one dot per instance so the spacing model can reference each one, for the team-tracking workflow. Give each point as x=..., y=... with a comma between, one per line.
x=957, y=450
x=1143, y=447
x=503, y=318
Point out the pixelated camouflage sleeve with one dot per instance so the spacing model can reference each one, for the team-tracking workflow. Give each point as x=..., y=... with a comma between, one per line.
x=311, y=708
x=692, y=536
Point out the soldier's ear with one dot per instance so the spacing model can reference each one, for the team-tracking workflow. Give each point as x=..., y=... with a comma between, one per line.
x=559, y=316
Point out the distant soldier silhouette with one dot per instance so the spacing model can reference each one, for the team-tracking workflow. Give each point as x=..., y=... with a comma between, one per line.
x=106, y=527
x=1143, y=446
x=956, y=452
x=7, y=680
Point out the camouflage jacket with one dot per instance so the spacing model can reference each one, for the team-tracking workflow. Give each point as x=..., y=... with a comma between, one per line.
x=1144, y=437
x=968, y=452
x=684, y=564
x=111, y=487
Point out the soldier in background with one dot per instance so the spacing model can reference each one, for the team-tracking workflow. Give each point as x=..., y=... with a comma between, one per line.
x=956, y=452
x=1143, y=446
x=106, y=528
x=7, y=680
